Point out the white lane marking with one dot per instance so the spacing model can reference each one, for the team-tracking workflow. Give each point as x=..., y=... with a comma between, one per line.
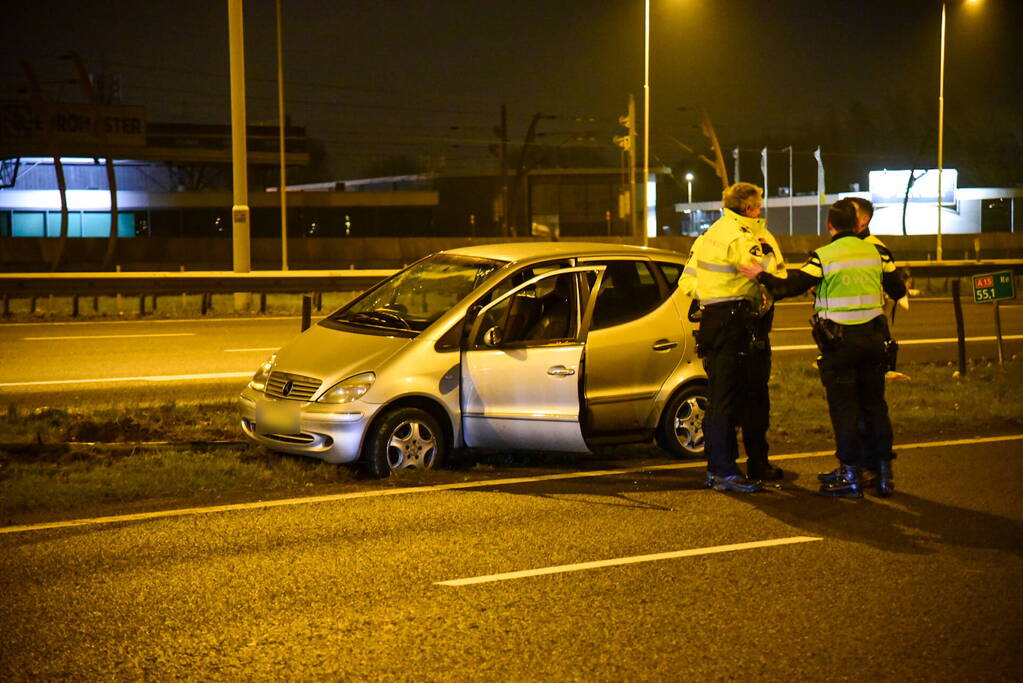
x=156, y=322
x=909, y=342
x=912, y=299
x=945, y=340
x=269, y=348
x=147, y=378
x=110, y=336
x=286, y=502
x=618, y=561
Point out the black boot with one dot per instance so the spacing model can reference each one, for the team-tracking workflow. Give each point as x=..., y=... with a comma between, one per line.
x=763, y=470
x=885, y=483
x=846, y=484
x=830, y=477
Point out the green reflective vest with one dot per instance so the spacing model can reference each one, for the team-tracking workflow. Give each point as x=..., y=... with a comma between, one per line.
x=850, y=290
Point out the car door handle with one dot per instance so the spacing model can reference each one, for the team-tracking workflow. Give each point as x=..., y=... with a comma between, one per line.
x=560, y=371
x=664, y=345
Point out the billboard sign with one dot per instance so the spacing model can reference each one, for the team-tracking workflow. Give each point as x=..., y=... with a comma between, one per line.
x=78, y=129
x=888, y=188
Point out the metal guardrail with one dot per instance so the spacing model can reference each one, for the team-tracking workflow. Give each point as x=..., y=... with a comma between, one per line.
x=959, y=268
x=22, y=285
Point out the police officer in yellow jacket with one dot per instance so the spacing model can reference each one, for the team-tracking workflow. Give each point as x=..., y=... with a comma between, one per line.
x=851, y=276
x=732, y=339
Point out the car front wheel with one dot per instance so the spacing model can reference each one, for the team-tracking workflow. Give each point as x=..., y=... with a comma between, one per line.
x=406, y=438
x=681, y=429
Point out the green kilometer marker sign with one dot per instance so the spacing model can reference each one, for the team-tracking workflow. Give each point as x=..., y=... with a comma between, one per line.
x=993, y=287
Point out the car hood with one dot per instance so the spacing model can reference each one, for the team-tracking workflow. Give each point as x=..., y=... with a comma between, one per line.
x=333, y=355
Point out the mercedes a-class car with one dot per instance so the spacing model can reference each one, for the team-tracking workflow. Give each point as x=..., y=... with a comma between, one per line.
x=552, y=346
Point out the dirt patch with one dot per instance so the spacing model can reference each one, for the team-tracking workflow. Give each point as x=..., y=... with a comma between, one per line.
x=125, y=428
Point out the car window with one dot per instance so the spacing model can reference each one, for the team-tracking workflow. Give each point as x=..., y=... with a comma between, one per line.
x=672, y=272
x=415, y=297
x=629, y=291
x=546, y=312
x=451, y=340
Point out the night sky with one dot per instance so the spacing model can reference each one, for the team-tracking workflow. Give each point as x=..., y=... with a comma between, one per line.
x=385, y=79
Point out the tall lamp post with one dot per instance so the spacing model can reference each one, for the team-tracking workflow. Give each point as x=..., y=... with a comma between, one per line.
x=941, y=125
x=280, y=141
x=239, y=158
x=646, y=122
x=689, y=187
x=941, y=121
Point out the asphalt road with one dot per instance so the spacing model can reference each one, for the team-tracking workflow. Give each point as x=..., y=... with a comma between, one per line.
x=921, y=586
x=95, y=362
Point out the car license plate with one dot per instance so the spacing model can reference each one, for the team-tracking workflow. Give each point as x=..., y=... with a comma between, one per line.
x=279, y=417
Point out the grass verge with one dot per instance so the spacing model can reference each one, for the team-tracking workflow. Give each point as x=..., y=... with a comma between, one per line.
x=58, y=480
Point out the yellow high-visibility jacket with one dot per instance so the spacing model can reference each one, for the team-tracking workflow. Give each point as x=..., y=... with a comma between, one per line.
x=712, y=274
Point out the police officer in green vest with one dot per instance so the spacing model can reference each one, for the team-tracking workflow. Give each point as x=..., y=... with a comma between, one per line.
x=851, y=275
x=871, y=459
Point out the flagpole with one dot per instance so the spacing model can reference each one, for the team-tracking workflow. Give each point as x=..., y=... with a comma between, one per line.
x=791, y=210
x=763, y=169
x=820, y=185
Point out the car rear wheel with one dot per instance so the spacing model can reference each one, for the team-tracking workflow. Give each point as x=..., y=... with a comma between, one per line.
x=681, y=429
x=405, y=438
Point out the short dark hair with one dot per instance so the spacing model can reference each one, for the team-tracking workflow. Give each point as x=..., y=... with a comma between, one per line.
x=842, y=215
x=864, y=205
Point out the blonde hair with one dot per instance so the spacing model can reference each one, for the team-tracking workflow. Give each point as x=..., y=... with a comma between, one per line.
x=742, y=196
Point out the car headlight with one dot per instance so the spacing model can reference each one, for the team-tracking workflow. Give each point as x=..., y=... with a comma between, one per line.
x=258, y=381
x=348, y=390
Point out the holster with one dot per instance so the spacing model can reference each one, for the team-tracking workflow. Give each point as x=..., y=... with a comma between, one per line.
x=715, y=320
x=891, y=354
x=827, y=334
x=752, y=319
x=891, y=347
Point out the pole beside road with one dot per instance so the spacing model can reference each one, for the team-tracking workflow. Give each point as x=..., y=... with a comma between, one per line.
x=941, y=126
x=281, y=120
x=994, y=287
x=240, y=210
x=646, y=125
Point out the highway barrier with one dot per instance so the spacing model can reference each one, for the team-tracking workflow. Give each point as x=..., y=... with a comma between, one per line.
x=309, y=282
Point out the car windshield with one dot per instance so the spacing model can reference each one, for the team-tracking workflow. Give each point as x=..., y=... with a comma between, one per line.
x=415, y=297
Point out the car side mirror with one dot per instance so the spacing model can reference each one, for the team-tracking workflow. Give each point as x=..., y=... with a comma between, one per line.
x=493, y=336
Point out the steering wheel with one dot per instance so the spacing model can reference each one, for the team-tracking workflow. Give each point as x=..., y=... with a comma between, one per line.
x=393, y=314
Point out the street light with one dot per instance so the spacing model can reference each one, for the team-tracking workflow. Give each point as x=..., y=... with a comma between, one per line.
x=241, y=249
x=646, y=120
x=689, y=185
x=941, y=120
x=280, y=143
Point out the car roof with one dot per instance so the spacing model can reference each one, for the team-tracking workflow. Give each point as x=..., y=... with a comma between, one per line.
x=527, y=251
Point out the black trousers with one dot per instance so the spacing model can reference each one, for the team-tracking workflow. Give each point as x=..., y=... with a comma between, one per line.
x=853, y=377
x=737, y=387
x=756, y=411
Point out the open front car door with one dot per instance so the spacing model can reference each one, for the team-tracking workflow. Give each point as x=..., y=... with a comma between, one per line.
x=522, y=364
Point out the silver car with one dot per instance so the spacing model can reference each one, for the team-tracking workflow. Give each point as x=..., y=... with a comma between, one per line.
x=552, y=346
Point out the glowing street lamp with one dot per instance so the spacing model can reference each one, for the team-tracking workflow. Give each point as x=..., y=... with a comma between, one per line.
x=689, y=185
x=646, y=121
x=941, y=119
